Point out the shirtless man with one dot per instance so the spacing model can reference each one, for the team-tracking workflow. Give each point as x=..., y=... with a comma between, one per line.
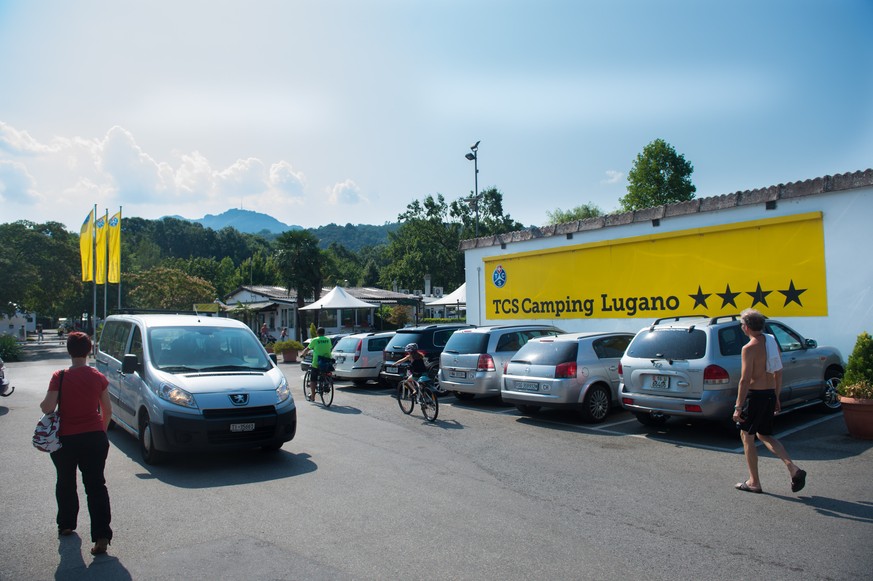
x=761, y=390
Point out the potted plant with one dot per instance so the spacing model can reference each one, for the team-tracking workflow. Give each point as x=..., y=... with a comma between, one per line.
x=288, y=348
x=856, y=389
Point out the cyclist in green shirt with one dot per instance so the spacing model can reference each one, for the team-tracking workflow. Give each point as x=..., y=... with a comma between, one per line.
x=320, y=347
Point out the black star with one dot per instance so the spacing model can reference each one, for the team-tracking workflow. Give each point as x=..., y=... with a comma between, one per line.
x=759, y=296
x=792, y=295
x=700, y=298
x=727, y=297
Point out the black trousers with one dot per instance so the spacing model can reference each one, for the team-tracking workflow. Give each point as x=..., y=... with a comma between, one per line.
x=88, y=453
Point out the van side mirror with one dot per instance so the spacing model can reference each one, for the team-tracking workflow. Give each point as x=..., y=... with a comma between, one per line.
x=273, y=358
x=811, y=344
x=130, y=363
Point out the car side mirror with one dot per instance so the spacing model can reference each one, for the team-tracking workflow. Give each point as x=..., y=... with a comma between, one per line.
x=811, y=344
x=130, y=363
x=273, y=358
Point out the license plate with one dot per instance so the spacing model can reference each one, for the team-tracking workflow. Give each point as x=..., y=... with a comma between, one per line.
x=660, y=382
x=390, y=369
x=527, y=386
x=460, y=374
x=242, y=427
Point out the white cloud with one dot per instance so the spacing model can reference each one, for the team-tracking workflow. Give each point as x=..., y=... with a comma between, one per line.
x=612, y=177
x=284, y=179
x=345, y=193
x=16, y=181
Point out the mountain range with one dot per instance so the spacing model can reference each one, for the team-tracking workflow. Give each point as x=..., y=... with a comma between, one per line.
x=353, y=237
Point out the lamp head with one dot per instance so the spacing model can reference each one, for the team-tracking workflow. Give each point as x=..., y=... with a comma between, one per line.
x=470, y=156
x=475, y=146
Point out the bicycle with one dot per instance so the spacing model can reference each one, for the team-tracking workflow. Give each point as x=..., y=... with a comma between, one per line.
x=324, y=387
x=410, y=392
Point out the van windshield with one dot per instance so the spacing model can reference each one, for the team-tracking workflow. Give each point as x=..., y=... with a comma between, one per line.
x=190, y=349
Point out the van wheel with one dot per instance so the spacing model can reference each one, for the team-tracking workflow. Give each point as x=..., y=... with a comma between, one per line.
x=464, y=396
x=150, y=454
x=830, y=401
x=526, y=409
x=652, y=420
x=595, y=404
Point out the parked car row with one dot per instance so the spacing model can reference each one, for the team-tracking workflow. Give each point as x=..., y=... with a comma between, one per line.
x=679, y=366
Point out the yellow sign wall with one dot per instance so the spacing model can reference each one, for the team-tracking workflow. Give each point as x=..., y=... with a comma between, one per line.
x=775, y=265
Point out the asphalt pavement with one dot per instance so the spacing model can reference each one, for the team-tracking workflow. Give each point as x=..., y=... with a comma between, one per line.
x=366, y=492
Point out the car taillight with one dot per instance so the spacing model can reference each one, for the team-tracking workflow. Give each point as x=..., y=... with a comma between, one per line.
x=716, y=375
x=565, y=370
x=358, y=349
x=485, y=363
x=620, y=369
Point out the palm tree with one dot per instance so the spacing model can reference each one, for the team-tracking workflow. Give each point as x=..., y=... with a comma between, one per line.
x=300, y=263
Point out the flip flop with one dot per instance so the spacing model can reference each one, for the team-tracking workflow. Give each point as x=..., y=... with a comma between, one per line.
x=744, y=486
x=798, y=481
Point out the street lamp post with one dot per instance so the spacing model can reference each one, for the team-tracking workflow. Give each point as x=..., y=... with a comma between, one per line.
x=474, y=199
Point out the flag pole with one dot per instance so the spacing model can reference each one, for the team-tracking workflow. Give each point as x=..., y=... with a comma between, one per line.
x=94, y=276
x=106, y=262
x=119, y=257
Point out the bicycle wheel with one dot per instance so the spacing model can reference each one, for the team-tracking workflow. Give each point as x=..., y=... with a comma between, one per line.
x=405, y=398
x=430, y=406
x=306, y=377
x=325, y=385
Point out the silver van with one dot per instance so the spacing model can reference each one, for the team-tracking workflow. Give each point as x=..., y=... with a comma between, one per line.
x=183, y=383
x=473, y=360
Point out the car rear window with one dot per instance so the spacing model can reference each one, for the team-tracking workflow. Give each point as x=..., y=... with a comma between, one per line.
x=668, y=344
x=347, y=344
x=731, y=341
x=403, y=338
x=547, y=352
x=467, y=343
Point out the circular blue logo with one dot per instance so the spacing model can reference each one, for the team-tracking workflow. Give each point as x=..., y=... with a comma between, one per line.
x=499, y=276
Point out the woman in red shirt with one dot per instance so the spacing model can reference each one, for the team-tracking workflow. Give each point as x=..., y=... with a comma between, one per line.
x=85, y=412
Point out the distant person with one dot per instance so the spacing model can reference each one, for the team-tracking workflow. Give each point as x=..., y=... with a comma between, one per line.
x=284, y=334
x=758, y=402
x=85, y=412
x=39, y=336
x=264, y=333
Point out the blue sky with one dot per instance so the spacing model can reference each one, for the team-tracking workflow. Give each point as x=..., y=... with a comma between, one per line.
x=347, y=110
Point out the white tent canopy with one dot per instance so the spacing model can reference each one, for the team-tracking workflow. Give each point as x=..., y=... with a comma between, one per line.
x=338, y=299
x=458, y=297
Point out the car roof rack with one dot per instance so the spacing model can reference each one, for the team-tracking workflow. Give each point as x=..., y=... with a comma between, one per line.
x=677, y=318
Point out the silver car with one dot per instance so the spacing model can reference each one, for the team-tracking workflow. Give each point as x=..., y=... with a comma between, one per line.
x=690, y=367
x=359, y=357
x=472, y=362
x=574, y=370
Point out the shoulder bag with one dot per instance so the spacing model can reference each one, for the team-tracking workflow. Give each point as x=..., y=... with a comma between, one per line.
x=45, y=436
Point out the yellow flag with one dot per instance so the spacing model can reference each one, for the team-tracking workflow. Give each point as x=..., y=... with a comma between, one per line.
x=115, y=248
x=86, y=247
x=101, y=227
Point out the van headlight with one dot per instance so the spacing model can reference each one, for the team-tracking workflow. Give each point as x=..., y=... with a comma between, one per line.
x=176, y=395
x=283, y=392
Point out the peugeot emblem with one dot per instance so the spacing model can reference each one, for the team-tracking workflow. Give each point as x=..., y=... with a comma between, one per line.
x=239, y=398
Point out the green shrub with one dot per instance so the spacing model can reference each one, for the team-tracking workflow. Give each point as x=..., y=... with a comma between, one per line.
x=287, y=345
x=10, y=350
x=858, y=380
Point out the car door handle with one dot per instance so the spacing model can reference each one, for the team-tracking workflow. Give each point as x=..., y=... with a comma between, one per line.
x=682, y=383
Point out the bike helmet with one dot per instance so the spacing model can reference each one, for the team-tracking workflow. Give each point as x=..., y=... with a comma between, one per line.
x=411, y=347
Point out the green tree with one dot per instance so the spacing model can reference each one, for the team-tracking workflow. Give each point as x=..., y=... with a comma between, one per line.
x=300, y=267
x=168, y=288
x=582, y=212
x=425, y=243
x=492, y=220
x=41, y=267
x=659, y=176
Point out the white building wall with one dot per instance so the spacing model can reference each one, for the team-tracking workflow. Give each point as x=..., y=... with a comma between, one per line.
x=846, y=217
